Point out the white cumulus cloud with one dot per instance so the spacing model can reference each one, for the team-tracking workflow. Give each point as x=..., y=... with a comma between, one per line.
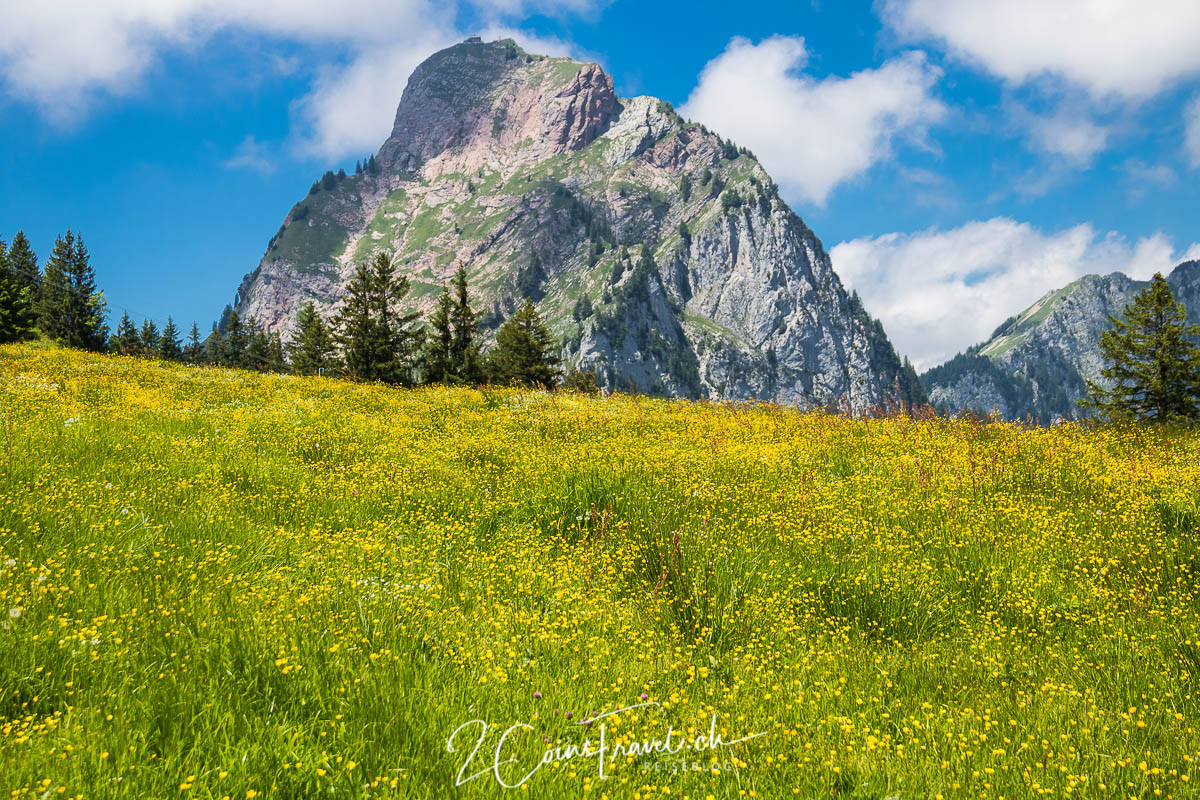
x=1118, y=48
x=64, y=57
x=813, y=134
x=941, y=291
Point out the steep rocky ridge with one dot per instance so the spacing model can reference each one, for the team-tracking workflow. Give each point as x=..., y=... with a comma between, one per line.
x=1036, y=364
x=660, y=253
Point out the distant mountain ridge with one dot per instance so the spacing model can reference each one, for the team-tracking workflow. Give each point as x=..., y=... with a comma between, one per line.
x=660, y=253
x=1036, y=363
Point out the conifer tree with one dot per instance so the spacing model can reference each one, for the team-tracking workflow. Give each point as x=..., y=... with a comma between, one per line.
x=437, y=363
x=276, y=358
x=526, y=352
x=85, y=302
x=378, y=342
x=168, y=342
x=464, y=349
x=257, y=354
x=126, y=340
x=312, y=351
x=23, y=263
x=1153, y=361
x=233, y=343
x=16, y=311
x=194, y=352
x=149, y=337
x=54, y=288
x=215, y=346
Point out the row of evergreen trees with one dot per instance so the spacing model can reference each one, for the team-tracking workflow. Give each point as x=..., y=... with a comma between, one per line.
x=61, y=300
x=371, y=339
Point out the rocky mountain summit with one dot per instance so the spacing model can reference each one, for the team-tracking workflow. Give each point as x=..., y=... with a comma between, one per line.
x=1036, y=364
x=660, y=253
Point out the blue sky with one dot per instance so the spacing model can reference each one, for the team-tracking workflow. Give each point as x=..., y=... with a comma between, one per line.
x=958, y=160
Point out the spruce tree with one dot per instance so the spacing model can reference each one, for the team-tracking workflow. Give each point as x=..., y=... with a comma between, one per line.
x=168, y=342
x=214, y=347
x=257, y=354
x=276, y=359
x=194, y=352
x=16, y=311
x=85, y=302
x=464, y=349
x=1153, y=361
x=54, y=288
x=437, y=364
x=312, y=351
x=378, y=342
x=23, y=263
x=149, y=337
x=126, y=340
x=233, y=348
x=526, y=352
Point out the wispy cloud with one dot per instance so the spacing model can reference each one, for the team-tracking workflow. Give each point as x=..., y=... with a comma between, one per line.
x=252, y=155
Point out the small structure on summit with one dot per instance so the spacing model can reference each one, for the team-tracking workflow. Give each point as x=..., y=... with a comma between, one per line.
x=473, y=40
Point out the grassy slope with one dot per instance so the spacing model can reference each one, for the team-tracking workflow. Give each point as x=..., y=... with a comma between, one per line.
x=225, y=584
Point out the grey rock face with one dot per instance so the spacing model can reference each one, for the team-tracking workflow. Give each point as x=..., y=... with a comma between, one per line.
x=661, y=254
x=1037, y=363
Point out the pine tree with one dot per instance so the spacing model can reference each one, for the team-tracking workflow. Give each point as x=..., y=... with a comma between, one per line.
x=215, y=346
x=437, y=362
x=194, y=352
x=1153, y=361
x=23, y=263
x=312, y=351
x=168, y=342
x=16, y=311
x=126, y=340
x=149, y=337
x=378, y=342
x=464, y=349
x=526, y=352
x=257, y=354
x=276, y=358
x=85, y=303
x=233, y=348
x=54, y=289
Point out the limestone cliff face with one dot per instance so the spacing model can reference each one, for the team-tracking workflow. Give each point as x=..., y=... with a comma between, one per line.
x=1037, y=363
x=661, y=254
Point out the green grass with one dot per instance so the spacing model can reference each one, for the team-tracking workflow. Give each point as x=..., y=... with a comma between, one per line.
x=216, y=584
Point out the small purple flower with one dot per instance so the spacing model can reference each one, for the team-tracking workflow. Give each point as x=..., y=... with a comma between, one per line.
x=568, y=715
x=537, y=695
x=645, y=696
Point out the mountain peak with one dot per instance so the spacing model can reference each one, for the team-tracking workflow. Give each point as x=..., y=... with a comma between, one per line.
x=660, y=254
x=474, y=101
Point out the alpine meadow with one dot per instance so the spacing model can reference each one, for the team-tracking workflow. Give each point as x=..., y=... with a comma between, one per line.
x=235, y=584
x=599, y=400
